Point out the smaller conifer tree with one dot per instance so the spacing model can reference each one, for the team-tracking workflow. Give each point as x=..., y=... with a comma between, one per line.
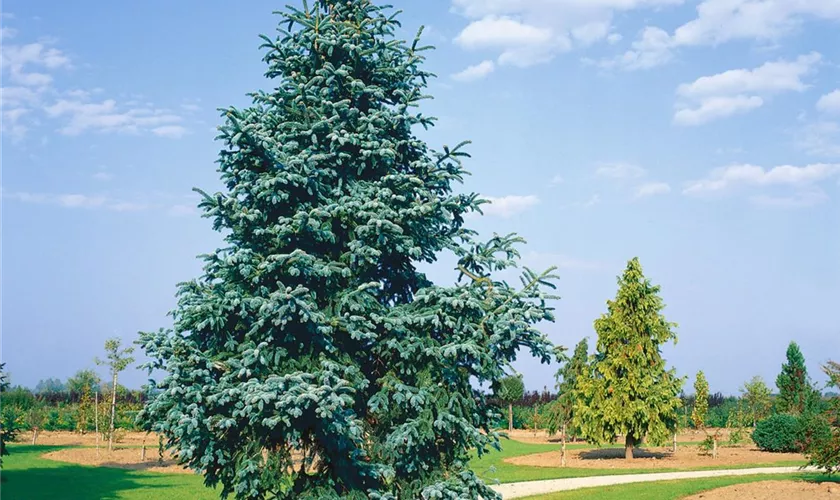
x=628, y=391
x=796, y=394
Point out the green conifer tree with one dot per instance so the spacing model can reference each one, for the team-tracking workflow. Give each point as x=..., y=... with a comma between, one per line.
x=627, y=390
x=560, y=412
x=312, y=359
x=796, y=393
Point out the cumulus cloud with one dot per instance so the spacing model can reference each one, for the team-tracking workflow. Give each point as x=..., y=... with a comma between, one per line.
x=652, y=189
x=721, y=21
x=803, y=178
x=525, y=33
x=107, y=116
x=508, y=206
x=739, y=91
x=475, y=72
x=830, y=103
x=29, y=71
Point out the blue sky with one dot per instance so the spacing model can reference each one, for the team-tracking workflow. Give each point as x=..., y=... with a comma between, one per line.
x=702, y=137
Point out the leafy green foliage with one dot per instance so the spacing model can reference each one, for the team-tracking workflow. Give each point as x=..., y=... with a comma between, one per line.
x=84, y=381
x=756, y=396
x=627, y=390
x=8, y=419
x=560, y=412
x=49, y=386
x=701, y=401
x=312, y=359
x=824, y=449
x=796, y=394
x=510, y=388
x=779, y=433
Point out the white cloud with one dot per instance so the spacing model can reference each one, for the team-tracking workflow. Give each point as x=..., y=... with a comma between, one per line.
x=508, y=206
x=192, y=108
x=732, y=176
x=475, y=72
x=713, y=108
x=652, y=189
x=557, y=179
x=652, y=48
x=106, y=116
x=501, y=32
x=17, y=59
x=721, y=21
x=591, y=202
x=531, y=32
x=740, y=90
x=820, y=138
x=172, y=131
x=771, y=77
x=619, y=171
x=7, y=33
x=830, y=103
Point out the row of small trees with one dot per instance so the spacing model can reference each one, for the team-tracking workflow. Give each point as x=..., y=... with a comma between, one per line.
x=76, y=403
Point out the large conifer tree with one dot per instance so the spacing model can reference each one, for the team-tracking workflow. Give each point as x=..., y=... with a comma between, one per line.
x=312, y=359
x=627, y=390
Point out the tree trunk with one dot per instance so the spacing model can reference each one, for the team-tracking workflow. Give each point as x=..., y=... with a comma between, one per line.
x=34, y=436
x=563, y=449
x=714, y=447
x=96, y=418
x=143, y=450
x=675, y=442
x=113, y=412
x=510, y=417
x=629, y=442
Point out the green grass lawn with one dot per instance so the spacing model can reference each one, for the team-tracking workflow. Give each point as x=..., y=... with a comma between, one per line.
x=670, y=490
x=25, y=475
x=492, y=467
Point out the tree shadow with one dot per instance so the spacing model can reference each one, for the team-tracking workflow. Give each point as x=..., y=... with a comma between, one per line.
x=26, y=475
x=618, y=454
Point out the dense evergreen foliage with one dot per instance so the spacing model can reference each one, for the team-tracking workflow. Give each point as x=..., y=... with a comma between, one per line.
x=796, y=394
x=778, y=433
x=627, y=390
x=561, y=410
x=312, y=359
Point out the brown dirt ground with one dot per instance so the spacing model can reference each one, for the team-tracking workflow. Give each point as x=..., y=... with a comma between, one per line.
x=653, y=458
x=541, y=436
x=772, y=490
x=121, y=458
x=66, y=438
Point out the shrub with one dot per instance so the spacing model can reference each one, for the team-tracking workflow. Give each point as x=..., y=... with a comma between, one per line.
x=816, y=431
x=779, y=433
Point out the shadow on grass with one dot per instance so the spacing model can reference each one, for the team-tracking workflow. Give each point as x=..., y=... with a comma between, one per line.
x=618, y=454
x=26, y=475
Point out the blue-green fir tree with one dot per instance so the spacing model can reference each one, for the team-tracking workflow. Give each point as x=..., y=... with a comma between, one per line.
x=312, y=359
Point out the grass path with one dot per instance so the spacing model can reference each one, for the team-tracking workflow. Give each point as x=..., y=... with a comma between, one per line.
x=672, y=490
x=530, y=488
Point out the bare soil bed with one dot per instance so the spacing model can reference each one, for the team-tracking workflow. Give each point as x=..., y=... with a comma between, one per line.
x=121, y=458
x=541, y=436
x=686, y=457
x=772, y=490
x=66, y=438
